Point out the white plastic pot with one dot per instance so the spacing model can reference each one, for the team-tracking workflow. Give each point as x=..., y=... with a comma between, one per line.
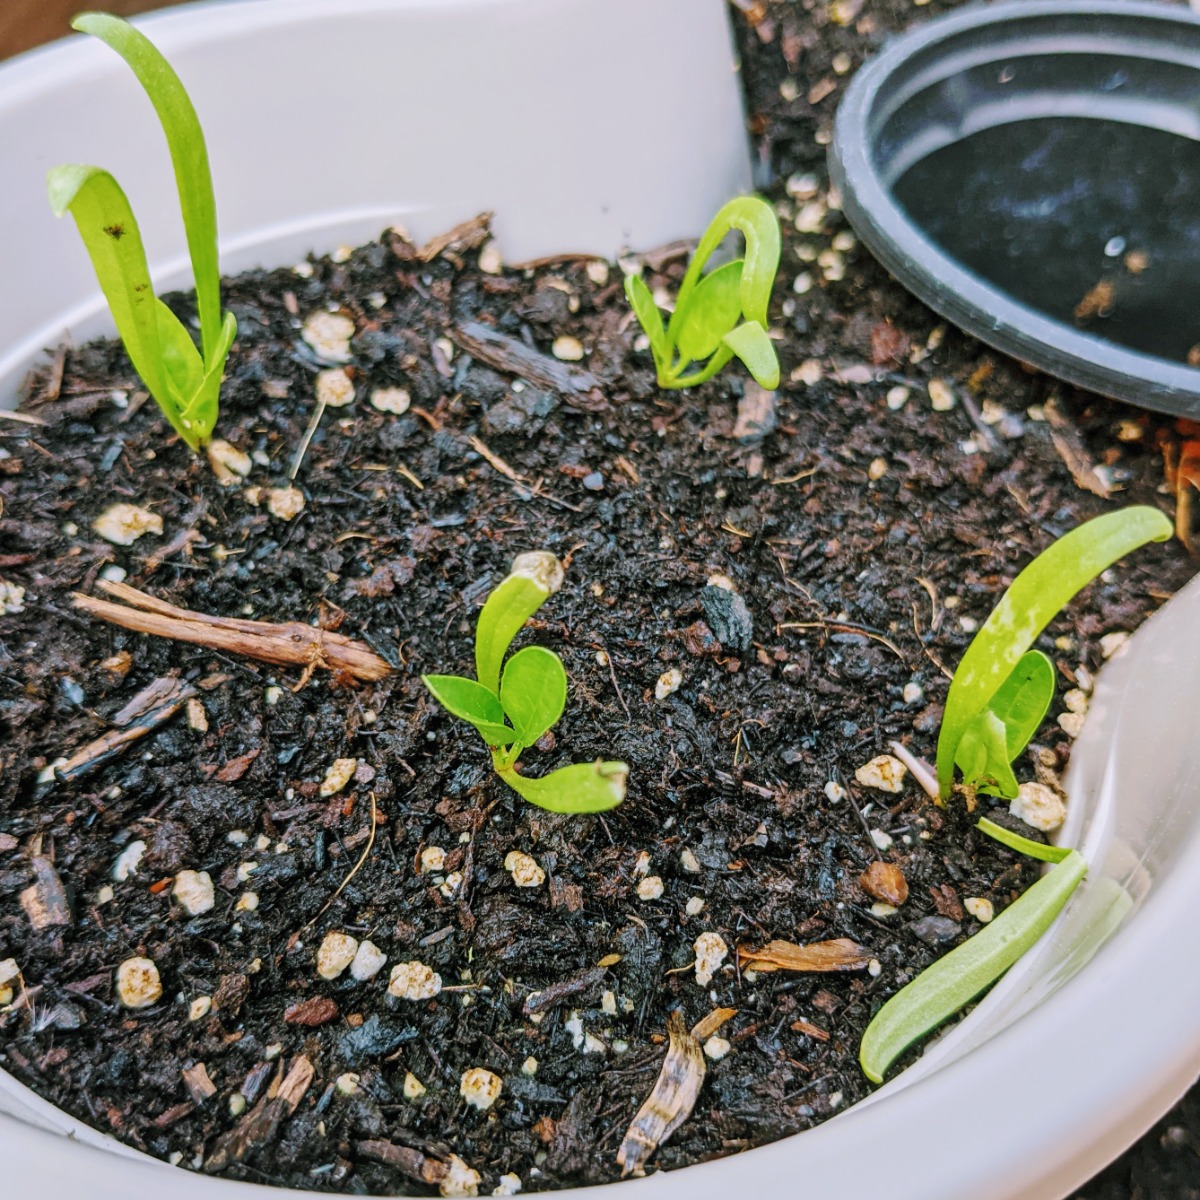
x=588, y=125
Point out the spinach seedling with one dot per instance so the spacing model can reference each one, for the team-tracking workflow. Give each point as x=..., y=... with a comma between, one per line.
x=722, y=314
x=954, y=981
x=1001, y=690
x=512, y=704
x=185, y=382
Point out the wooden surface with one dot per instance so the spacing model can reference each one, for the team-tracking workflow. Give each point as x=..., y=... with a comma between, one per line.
x=28, y=23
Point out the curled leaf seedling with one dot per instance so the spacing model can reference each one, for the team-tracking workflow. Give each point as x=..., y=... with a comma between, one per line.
x=513, y=704
x=185, y=381
x=722, y=314
x=952, y=982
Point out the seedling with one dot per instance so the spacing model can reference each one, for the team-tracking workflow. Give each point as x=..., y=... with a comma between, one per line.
x=185, y=382
x=722, y=314
x=1002, y=689
x=512, y=704
x=954, y=981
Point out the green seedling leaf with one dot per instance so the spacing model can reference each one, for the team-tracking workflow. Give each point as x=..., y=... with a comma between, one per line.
x=1024, y=699
x=750, y=342
x=648, y=316
x=579, y=788
x=713, y=310
x=1024, y=845
x=1032, y=600
x=955, y=980
x=983, y=756
x=533, y=692
x=181, y=360
x=533, y=580
x=470, y=702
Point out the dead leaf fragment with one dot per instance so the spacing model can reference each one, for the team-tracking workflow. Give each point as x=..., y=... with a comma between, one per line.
x=841, y=954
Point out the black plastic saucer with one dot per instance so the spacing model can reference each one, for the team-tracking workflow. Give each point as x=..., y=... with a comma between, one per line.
x=1031, y=171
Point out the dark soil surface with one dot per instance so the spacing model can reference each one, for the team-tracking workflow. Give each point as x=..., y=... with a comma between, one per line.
x=883, y=531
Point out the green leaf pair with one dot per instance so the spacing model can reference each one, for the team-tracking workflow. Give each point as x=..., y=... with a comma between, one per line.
x=1002, y=689
x=721, y=315
x=185, y=381
x=954, y=981
x=513, y=703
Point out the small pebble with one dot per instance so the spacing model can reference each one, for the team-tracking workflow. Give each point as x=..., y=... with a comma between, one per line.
x=1071, y=723
x=834, y=792
x=877, y=469
x=897, y=397
x=913, y=693
x=433, y=859
x=123, y=524
x=245, y=870
x=247, y=902
x=668, y=682
x=128, y=861
x=199, y=1008
x=608, y=1003
x=884, y=773
x=689, y=862
x=393, y=400
x=980, y=908
x=716, y=1048
x=105, y=895
x=641, y=864
x=450, y=885
x=597, y=271
x=459, y=1180
x=335, y=954
x=414, y=981
x=197, y=718
x=711, y=952
x=650, y=888
x=194, y=891
x=237, y=1104
x=882, y=909
x=491, y=261
x=524, y=870
x=811, y=217
x=480, y=1088
x=885, y=881
x=808, y=372
x=414, y=1089
x=229, y=464
x=1111, y=643
x=874, y=968
x=368, y=961
x=1039, y=806
x=338, y=775
x=883, y=841
x=568, y=349
x=509, y=1185
x=285, y=503
x=802, y=284
x=329, y=334
x=694, y=906
x=138, y=983
x=941, y=395
x=347, y=1083
x=529, y=1066
x=335, y=389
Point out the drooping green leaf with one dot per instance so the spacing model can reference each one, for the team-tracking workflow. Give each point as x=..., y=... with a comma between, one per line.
x=533, y=692
x=534, y=579
x=1032, y=600
x=1023, y=700
x=712, y=311
x=579, y=788
x=751, y=343
x=954, y=981
x=189, y=157
x=1024, y=845
x=470, y=702
x=982, y=756
x=648, y=316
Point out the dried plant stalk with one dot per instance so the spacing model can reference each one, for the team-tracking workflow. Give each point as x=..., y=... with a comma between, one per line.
x=839, y=955
x=290, y=644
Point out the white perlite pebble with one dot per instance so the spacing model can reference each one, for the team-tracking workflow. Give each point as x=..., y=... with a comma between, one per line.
x=335, y=954
x=668, y=682
x=123, y=524
x=568, y=349
x=12, y=598
x=694, y=906
x=509, y=1185
x=882, y=909
x=491, y=261
x=597, y=271
x=524, y=870
x=884, y=773
x=450, y=885
x=229, y=464
x=1039, y=806
x=650, y=888
x=883, y=841
x=433, y=858
x=641, y=864
x=608, y=1004
x=980, y=908
x=529, y=1066
x=716, y=1048
x=711, y=951
x=197, y=718
x=138, y=984
x=1113, y=643
x=247, y=902
x=414, y=1089
x=329, y=335
x=913, y=693
x=199, y=1008
x=338, y=775
x=128, y=860
x=480, y=1088
x=9, y=972
x=348, y=1083
x=460, y=1180
x=335, y=389
x=897, y=397
x=834, y=792
x=1071, y=723
x=245, y=870
x=414, y=981
x=394, y=400
x=1076, y=700
x=285, y=503
x=105, y=895
x=194, y=891
x=368, y=961
x=874, y=968
x=941, y=396
x=689, y=862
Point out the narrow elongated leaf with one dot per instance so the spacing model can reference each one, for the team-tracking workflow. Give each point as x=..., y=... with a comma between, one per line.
x=533, y=692
x=955, y=980
x=114, y=243
x=470, y=702
x=200, y=412
x=648, y=316
x=181, y=361
x=1023, y=700
x=579, y=788
x=189, y=157
x=982, y=756
x=1032, y=600
x=1026, y=846
x=712, y=311
x=535, y=577
x=750, y=342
